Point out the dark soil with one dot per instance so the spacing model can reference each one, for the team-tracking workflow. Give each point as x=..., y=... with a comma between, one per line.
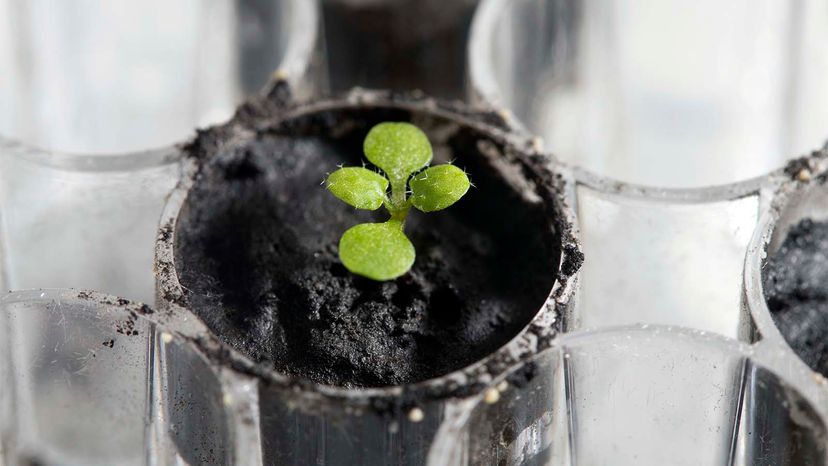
x=796, y=290
x=398, y=45
x=256, y=252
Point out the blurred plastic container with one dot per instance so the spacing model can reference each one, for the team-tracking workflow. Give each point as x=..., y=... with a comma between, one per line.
x=89, y=379
x=674, y=98
x=792, y=196
x=96, y=77
x=641, y=396
x=304, y=422
x=90, y=91
x=672, y=95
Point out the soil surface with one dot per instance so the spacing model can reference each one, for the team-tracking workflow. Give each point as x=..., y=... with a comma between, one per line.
x=796, y=290
x=256, y=252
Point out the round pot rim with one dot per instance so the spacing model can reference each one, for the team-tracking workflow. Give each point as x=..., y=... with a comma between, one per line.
x=779, y=195
x=484, y=90
x=539, y=331
x=108, y=304
x=757, y=352
x=303, y=34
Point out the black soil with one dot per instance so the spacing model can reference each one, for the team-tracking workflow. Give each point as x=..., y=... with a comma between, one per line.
x=256, y=252
x=796, y=290
x=399, y=45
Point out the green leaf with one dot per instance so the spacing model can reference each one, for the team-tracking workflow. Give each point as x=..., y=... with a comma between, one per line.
x=358, y=186
x=399, y=149
x=438, y=187
x=379, y=251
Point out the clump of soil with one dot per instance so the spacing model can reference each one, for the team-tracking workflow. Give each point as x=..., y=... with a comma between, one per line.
x=796, y=290
x=256, y=253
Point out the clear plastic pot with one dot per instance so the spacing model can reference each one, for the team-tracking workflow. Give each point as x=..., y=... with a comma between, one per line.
x=670, y=95
x=797, y=194
x=655, y=104
x=664, y=256
x=90, y=379
x=100, y=78
x=83, y=222
x=641, y=395
x=90, y=91
x=301, y=422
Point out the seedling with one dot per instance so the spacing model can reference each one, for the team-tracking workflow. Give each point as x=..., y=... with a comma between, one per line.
x=381, y=251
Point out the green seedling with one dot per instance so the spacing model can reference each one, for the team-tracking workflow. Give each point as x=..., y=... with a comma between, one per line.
x=381, y=251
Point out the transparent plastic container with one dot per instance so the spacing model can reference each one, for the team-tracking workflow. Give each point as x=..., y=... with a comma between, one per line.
x=672, y=95
x=790, y=197
x=91, y=379
x=671, y=113
x=303, y=422
x=92, y=97
x=641, y=395
x=664, y=257
x=106, y=78
x=83, y=221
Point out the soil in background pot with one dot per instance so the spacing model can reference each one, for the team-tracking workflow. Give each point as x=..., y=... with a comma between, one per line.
x=400, y=44
x=256, y=253
x=796, y=290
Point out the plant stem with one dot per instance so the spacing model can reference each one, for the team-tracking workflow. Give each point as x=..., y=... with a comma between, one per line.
x=398, y=205
x=398, y=187
x=399, y=217
x=400, y=223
